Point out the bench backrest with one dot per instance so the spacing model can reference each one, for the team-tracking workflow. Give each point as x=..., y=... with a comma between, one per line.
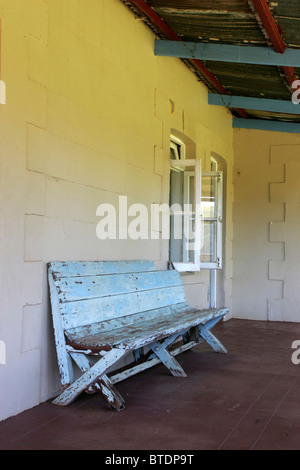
x=90, y=292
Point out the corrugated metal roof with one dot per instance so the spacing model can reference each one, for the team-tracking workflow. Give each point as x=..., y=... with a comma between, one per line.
x=229, y=22
x=287, y=15
x=236, y=22
x=250, y=80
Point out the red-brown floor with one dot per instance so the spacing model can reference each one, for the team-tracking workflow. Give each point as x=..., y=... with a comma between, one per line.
x=246, y=399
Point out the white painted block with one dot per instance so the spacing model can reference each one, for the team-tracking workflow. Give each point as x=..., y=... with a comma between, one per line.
x=32, y=284
x=35, y=193
x=32, y=337
x=275, y=310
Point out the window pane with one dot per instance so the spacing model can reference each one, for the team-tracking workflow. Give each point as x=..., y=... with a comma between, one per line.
x=209, y=197
x=182, y=220
x=176, y=222
x=211, y=226
x=176, y=244
x=209, y=242
x=176, y=187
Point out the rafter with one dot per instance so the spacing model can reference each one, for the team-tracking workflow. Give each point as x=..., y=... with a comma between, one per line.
x=227, y=53
x=266, y=125
x=258, y=104
x=274, y=34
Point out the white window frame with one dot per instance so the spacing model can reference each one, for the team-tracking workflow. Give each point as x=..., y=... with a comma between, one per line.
x=174, y=144
x=180, y=165
x=218, y=219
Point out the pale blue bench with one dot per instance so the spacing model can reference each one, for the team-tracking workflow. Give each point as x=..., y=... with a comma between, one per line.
x=103, y=311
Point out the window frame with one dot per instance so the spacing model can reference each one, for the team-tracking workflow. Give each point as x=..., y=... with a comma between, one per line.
x=218, y=219
x=180, y=165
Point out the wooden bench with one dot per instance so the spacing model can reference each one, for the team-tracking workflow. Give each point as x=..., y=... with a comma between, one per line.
x=103, y=311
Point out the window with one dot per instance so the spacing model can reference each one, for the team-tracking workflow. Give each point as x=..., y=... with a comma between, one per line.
x=195, y=213
x=177, y=151
x=185, y=205
x=211, y=211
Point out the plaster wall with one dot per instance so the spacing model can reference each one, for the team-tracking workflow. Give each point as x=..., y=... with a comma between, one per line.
x=88, y=118
x=266, y=226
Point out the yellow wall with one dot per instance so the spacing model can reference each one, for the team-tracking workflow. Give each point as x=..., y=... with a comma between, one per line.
x=88, y=118
x=266, y=254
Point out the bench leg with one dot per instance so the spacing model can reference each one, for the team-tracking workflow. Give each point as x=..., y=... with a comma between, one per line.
x=168, y=360
x=212, y=340
x=90, y=377
x=111, y=395
x=166, y=343
x=104, y=386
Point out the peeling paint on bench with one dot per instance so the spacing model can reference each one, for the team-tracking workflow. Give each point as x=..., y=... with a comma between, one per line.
x=105, y=310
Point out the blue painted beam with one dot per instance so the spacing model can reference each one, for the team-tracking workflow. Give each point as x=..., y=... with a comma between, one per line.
x=227, y=53
x=259, y=104
x=266, y=125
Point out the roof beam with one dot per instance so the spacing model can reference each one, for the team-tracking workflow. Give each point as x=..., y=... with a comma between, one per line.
x=266, y=125
x=227, y=53
x=270, y=25
x=258, y=104
x=272, y=30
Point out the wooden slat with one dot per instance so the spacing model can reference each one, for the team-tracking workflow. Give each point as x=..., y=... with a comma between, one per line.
x=62, y=269
x=81, y=288
x=146, y=331
x=86, y=312
x=74, y=334
x=179, y=325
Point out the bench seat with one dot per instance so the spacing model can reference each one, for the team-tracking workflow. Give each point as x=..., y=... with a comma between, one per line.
x=103, y=312
x=142, y=331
